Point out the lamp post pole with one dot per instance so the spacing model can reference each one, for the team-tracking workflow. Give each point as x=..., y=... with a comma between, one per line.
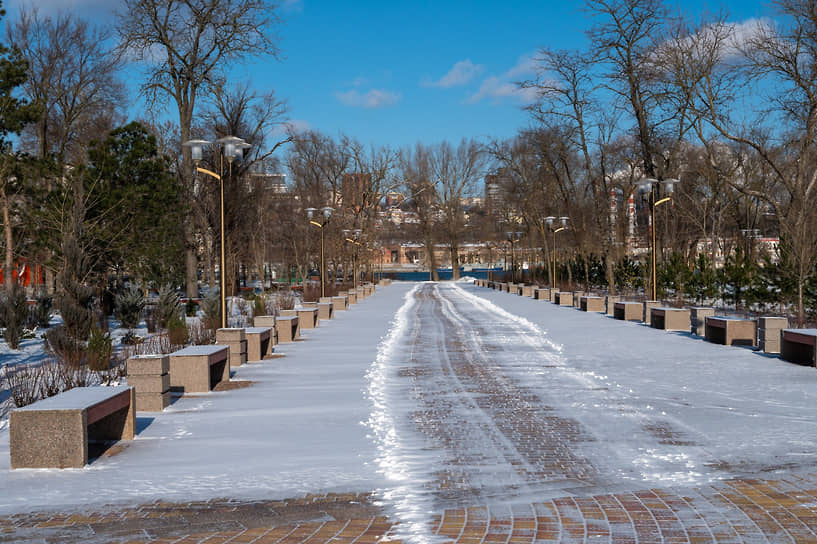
x=513, y=237
x=326, y=213
x=231, y=147
x=549, y=221
x=650, y=186
x=356, y=235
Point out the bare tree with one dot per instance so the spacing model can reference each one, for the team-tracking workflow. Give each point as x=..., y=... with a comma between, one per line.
x=422, y=198
x=74, y=75
x=780, y=128
x=570, y=103
x=237, y=110
x=187, y=46
x=455, y=171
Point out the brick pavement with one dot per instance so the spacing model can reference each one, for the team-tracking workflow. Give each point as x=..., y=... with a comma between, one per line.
x=745, y=510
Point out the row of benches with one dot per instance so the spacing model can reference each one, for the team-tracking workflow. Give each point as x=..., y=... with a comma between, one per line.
x=58, y=432
x=769, y=334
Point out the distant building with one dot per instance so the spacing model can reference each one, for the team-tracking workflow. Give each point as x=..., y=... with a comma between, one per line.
x=275, y=183
x=494, y=191
x=352, y=188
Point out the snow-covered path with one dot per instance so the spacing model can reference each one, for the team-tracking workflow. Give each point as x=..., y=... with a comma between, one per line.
x=497, y=398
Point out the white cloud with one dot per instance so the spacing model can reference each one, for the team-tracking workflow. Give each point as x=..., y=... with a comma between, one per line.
x=460, y=74
x=731, y=39
x=373, y=99
x=293, y=126
x=505, y=87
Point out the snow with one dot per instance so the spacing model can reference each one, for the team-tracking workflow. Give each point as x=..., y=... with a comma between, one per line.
x=653, y=408
x=200, y=350
x=298, y=429
x=76, y=399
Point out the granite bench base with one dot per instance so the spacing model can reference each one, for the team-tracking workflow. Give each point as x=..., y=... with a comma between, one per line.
x=56, y=432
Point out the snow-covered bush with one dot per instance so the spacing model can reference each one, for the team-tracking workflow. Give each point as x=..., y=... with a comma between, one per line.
x=23, y=383
x=130, y=304
x=13, y=314
x=201, y=335
x=284, y=300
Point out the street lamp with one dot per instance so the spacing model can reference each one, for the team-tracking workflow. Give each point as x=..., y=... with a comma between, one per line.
x=231, y=147
x=650, y=187
x=513, y=237
x=326, y=213
x=550, y=220
x=354, y=240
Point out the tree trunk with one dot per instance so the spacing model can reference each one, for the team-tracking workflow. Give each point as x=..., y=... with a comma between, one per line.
x=431, y=259
x=8, y=261
x=455, y=262
x=611, y=275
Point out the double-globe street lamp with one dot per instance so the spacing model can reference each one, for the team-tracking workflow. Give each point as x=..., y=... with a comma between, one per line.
x=326, y=214
x=231, y=147
x=513, y=237
x=354, y=240
x=649, y=186
x=549, y=221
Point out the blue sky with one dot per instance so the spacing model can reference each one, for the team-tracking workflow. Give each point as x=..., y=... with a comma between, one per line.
x=398, y=72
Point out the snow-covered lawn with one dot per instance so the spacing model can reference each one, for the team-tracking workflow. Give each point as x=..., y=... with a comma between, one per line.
x=298, y=429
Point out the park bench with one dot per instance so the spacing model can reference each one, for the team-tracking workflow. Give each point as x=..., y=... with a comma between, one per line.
x=592, y=304
x=770, y=332
x=236, y=340
x=564, y=298
x=361, y=293
x=307, y=318
x=526, y=291
x=648, y=305
x=697, y=319
x=197, y=369
x=730, y=331
x=670, y=319
x=628, y=311
x=351, y=296
x=541, y=294
x=610, y=303
x=287, y=328
x=798, y=346
x=325, y=310
x=259, y=344
x=149, y=375
x=577, y=298
x=56, y=432
x=267, y=321
x=340, y=303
